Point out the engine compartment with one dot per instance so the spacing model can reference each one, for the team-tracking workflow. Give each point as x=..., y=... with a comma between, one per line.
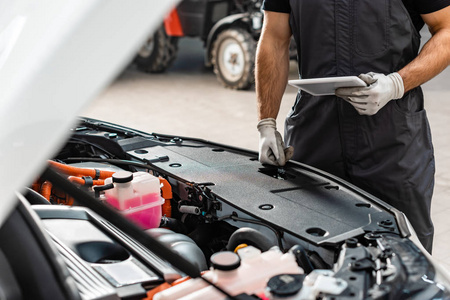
x=328, y=239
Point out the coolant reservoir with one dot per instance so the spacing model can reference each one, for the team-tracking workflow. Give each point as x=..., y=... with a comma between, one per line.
x=137, y=196
x=248, y=273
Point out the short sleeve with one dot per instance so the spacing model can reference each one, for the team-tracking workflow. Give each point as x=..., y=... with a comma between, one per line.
x=281, y=6
x=429, y=6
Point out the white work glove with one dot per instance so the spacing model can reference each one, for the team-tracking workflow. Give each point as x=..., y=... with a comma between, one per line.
x=271, y=146
x=380, y=90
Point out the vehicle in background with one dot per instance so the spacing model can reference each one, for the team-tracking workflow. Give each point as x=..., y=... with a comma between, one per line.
x=229, y=29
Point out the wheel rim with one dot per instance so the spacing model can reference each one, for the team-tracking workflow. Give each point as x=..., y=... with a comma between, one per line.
x=147, y=49
x=231, y=60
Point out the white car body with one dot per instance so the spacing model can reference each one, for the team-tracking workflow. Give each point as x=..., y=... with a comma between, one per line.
x=55, y=56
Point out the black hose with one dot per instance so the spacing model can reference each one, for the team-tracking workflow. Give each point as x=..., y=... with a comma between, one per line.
x=234, y=217
x=74, y=140
x=302, y=258
x=110, y=160
x=317, y=261
x=250, y=236
x=173, y=224
x=99, y=188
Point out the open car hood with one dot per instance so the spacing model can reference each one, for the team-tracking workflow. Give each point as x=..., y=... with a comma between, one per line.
x=55, y=55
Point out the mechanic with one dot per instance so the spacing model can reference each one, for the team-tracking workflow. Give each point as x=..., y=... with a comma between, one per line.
x=380, y=145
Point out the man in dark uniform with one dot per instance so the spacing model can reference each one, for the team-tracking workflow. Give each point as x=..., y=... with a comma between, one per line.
x=376, y=137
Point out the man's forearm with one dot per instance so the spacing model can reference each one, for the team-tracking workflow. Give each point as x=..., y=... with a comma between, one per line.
x=433, y=59
x=272, y=68
x=435, y=55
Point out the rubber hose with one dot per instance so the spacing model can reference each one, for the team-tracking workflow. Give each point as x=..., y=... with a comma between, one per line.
x=34, y=197
x=75, y=171
x=173, y=224
x=46, y=190
x=317, y=261
x=247, y=235
x=82, y=181
x=302, y=258
x=182, y=244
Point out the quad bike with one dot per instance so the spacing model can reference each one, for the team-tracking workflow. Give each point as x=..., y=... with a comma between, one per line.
x=229, y=30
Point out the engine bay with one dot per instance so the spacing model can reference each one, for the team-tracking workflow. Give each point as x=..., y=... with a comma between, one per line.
x=253, y=231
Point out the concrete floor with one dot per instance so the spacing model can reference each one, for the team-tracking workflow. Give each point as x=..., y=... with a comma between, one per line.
x=188, y=101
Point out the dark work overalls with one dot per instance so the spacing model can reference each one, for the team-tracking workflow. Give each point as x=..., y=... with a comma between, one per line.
x=390, y=154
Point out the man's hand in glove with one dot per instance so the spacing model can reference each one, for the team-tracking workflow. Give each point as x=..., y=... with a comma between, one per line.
x=380, y=90
x=271, y=145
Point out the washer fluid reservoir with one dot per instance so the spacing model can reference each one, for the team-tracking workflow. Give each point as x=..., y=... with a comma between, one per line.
x=137, y=196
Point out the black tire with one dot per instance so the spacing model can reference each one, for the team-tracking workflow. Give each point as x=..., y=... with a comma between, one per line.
x=158, y=52
x=233, y=58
